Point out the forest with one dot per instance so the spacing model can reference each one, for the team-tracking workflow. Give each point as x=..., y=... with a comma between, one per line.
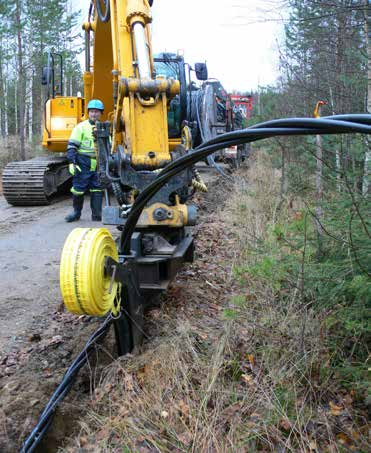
x=28, y=30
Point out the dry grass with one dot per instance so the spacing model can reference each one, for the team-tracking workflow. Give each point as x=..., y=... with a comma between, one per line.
x=10, y=150
x=229, y=368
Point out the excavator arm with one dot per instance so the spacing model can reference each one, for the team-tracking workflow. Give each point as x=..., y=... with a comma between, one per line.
x=122, y=77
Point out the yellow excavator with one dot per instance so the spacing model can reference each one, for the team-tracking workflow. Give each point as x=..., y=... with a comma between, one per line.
x=37, y=181
x=98, y=274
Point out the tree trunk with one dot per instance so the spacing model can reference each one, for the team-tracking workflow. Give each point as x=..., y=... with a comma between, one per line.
x=367, y=159
x=319, y=193
x=2, y=99
x=20, y=85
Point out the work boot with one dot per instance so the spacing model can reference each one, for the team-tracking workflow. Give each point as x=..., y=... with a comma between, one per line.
x=77, y=203
x=96, y=199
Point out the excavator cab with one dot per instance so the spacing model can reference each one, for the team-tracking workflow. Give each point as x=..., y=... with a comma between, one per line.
x=171, y=65
x=61, y=113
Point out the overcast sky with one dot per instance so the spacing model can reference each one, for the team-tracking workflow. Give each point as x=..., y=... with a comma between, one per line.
x=233, y=36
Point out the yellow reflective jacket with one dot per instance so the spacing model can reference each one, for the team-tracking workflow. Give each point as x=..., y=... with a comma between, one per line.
x=82, y=136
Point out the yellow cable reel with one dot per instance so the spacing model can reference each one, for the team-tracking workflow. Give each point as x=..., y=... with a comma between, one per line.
x=84, y=287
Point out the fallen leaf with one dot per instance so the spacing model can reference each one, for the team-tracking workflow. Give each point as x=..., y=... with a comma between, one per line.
x=129, y=384
x=251, y=359
x=47, y=373
x=108, y=388
x=285, y=424
x=335, y=410
x=83, y=441
x=184, y=408
x=348, y=400
x=141, y=375
x=298, y=215
x=248, y=379
x=343, y=439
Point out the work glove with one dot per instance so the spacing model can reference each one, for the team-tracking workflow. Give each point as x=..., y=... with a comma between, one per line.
x=73, y=169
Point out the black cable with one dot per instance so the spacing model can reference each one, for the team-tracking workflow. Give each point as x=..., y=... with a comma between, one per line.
x=64, y=387
x=329, y=125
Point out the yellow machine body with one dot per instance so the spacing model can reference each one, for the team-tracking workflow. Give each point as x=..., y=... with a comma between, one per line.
x=61, y=116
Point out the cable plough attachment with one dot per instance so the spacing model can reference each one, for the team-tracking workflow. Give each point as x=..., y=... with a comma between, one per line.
x=133, y=148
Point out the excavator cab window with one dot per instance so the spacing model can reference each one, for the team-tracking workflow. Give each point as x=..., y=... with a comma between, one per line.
x=167, y=69
x=171, y=69
x=52, y=78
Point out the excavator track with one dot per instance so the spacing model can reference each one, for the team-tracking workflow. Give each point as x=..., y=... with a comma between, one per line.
x=35, y=182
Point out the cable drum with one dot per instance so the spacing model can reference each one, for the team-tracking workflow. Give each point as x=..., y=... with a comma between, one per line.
x=192, y=107
x=84, y=286
x=208, y=114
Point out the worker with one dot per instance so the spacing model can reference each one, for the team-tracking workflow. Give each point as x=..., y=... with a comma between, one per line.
x=83, y=164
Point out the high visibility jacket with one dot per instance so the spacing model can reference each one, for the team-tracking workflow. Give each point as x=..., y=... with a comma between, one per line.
x=82, y=138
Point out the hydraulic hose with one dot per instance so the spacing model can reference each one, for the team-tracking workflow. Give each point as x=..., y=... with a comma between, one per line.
x=118, y=192
x=106, y=16
x=282, y=127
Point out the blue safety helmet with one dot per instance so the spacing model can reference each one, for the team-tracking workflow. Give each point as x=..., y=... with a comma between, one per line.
x=96, y=104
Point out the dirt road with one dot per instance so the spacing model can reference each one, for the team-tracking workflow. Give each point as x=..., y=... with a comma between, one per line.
x=31, y=241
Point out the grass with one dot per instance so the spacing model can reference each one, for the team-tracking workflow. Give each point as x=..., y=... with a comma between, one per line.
x=235, y=362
